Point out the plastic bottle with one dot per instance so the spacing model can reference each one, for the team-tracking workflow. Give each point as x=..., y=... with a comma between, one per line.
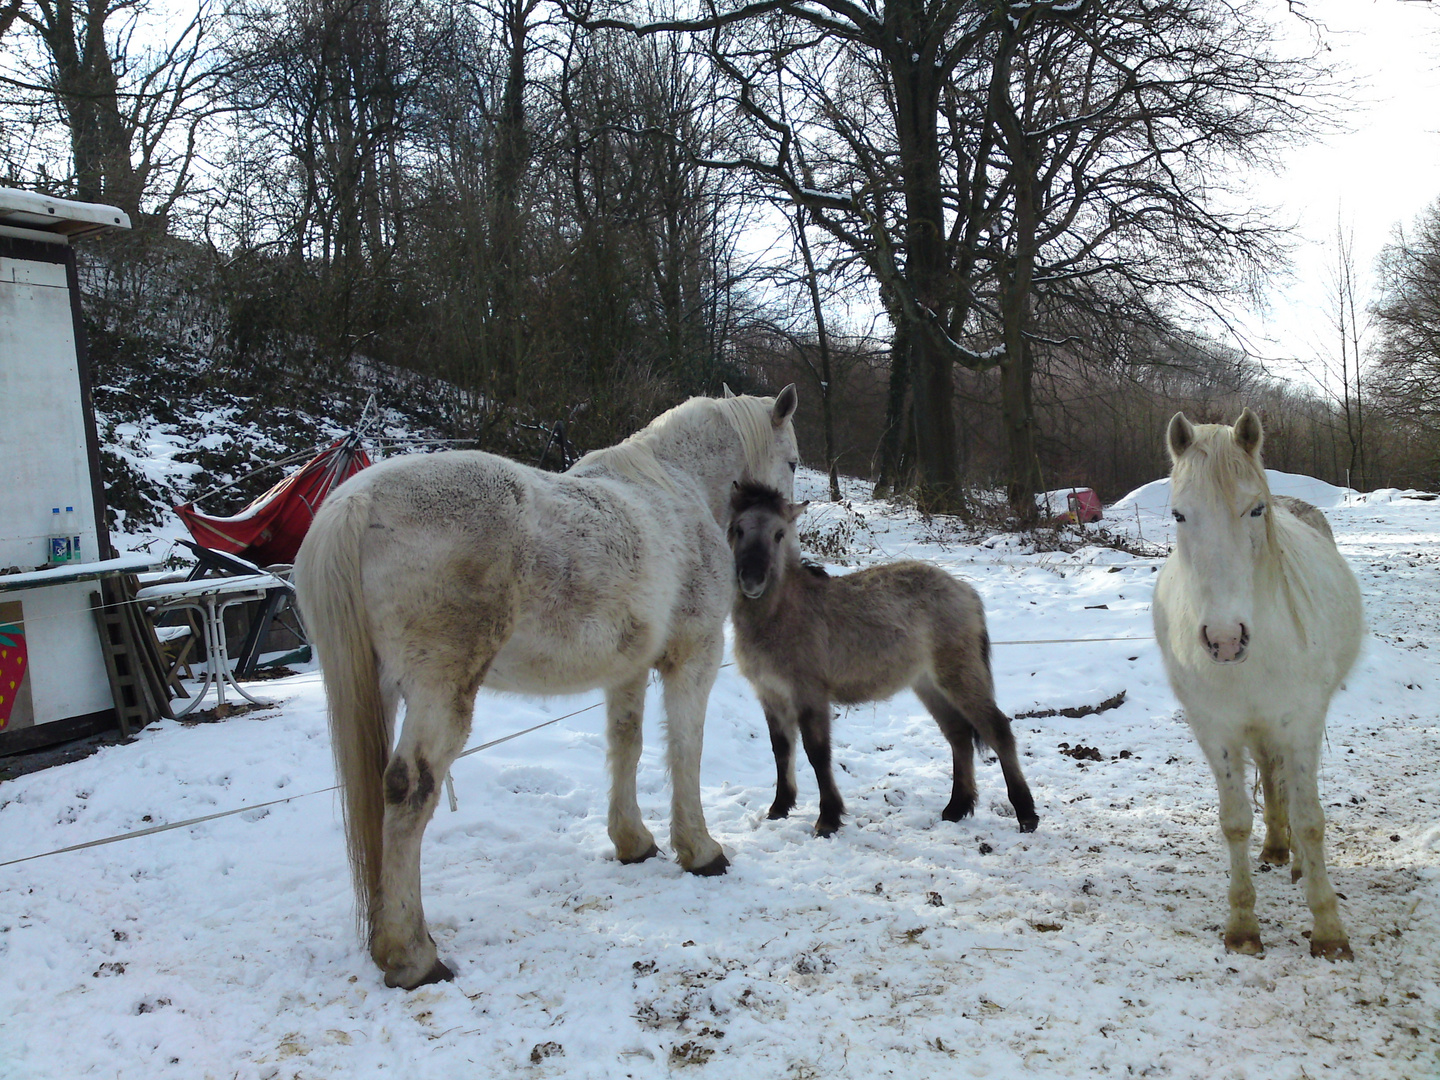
x=72, y=532
x=59, y=539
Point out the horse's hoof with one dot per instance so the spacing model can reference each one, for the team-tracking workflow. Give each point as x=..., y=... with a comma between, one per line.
x=1331, y=950
x=1029, y=824
x=649, y=853
x=957, y=811
x=714, y=868
x=1244, y=944
x=437, y=973
x=826, y=829
x=1275, y=856
x=777, y=812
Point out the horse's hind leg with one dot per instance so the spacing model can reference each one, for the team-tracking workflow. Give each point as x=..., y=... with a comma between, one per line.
x=961, y=737
x=976, y=705
x=1271, y=765
x=437, y=722
x=1307, y=833
x=783, y=731
x=624, y=717
x=688, y=670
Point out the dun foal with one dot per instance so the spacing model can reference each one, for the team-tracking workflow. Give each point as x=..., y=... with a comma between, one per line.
x=805, y=639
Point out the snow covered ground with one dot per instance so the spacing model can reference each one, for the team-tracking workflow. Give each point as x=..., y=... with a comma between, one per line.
x=906, y=946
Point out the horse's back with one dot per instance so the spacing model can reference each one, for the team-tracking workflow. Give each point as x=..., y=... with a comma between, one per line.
x=579, y=576
x=1306, y=513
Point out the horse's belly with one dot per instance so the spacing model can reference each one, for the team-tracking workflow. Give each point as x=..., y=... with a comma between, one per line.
x=569, y=664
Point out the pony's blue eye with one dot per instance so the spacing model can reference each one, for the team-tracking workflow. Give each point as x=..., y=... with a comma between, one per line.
x=1258, y=511
x=1177, y=515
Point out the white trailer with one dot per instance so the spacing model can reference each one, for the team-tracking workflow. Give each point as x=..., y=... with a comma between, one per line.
x=53, y=680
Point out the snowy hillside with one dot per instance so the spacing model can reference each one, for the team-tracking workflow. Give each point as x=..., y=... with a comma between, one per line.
x=906, y=946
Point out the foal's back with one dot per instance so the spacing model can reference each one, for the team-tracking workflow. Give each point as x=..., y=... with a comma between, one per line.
x=887, y=627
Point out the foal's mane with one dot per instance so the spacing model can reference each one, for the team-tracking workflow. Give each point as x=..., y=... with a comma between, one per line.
x=748, y=493
x=635, y=456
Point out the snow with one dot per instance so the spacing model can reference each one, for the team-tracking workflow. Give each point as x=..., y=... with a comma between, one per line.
x=905, y=946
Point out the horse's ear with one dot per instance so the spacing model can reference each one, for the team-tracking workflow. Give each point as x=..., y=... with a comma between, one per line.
x=1179, y=436
x=728, y=392
x=1248, y=433
x=796, y=509
x=785, y=403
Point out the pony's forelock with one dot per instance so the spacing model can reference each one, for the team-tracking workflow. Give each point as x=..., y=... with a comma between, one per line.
x=1215, y=458
x=748, y=493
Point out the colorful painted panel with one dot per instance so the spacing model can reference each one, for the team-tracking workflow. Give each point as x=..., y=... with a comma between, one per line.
x=16, y=708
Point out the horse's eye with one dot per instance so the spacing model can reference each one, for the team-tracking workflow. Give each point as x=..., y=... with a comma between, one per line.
x=1259, y=511
x=779, y=535
x=1177, y=515
x=794, y=465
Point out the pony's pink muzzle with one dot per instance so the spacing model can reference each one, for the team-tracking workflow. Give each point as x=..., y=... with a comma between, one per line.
x=1226, y=645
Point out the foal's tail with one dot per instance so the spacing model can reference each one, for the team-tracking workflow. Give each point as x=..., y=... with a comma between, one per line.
x=328, y=584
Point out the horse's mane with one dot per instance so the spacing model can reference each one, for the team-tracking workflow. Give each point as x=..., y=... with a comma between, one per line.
x=1214, y=458
x=751, y=419
x=635, y=456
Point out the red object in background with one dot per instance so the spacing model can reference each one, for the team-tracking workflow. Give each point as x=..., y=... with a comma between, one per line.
x=13, y=662
x=1084, y=505
x=270, y=529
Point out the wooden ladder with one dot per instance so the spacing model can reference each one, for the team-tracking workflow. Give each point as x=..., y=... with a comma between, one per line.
x=132, y=658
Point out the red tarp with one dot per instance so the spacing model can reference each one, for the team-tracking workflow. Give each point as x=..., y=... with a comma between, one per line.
x=270, y=529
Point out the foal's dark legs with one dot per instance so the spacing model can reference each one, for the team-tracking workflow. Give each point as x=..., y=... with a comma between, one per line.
x=815, y=731
x=782, y=742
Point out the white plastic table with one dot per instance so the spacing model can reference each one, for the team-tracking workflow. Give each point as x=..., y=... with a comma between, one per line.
x=210, y=597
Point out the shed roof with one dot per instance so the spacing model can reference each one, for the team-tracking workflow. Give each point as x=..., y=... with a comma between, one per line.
x=29, y=210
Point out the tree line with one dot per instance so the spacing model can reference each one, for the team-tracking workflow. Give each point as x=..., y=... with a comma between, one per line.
x=553, y=207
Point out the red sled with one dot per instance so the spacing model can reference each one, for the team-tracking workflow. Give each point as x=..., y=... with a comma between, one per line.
x=270, y=529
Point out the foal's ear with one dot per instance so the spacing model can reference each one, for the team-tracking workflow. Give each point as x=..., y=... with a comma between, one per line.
x=1248, y=433
x=728, y=392
x=785, y=403
x=1179, y=436
x=796, y=509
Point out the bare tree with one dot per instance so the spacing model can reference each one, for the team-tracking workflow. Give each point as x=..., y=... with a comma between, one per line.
x=132, y=114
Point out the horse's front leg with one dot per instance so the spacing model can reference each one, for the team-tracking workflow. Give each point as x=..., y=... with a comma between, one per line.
x=1227, y=761
x=814, y=718
x=436, y=726
x=1307, y=833
x=688, y=670
x=624, y=718
x=781, y=721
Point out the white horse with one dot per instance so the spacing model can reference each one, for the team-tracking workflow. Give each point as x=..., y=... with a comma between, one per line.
x=428, y=576
x=1259, y=619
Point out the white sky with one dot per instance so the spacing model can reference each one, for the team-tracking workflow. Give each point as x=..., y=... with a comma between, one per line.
x=1382, y=172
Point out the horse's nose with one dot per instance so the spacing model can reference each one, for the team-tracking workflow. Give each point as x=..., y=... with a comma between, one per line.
x=1226, y=645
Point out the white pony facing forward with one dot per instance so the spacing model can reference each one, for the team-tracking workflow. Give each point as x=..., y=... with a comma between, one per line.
x=1258, y=619
x=426, y=577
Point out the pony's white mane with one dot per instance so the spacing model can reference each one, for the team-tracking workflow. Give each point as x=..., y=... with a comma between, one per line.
x=1216, y=460
x=635, y=456
x=750, y=417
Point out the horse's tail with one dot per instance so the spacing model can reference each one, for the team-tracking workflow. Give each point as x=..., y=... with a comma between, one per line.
x=328, y=584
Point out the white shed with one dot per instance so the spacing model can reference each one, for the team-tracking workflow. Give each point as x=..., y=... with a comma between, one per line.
x=53, y=680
